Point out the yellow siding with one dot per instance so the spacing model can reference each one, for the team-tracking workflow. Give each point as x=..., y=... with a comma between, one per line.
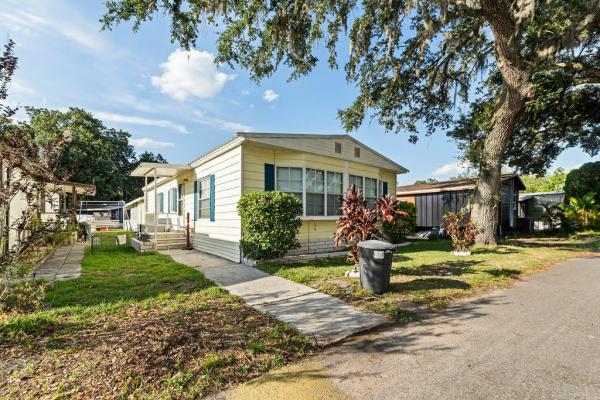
x=316, y=229
x=255, y=157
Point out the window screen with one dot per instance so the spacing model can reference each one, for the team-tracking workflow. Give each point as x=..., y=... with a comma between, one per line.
x=289, y=180
x=315, y=192
x=335, y=188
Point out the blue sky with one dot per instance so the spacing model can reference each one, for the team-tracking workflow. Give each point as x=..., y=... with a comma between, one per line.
x=183, y=105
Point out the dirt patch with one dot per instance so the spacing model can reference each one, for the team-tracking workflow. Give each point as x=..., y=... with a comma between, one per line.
x=187, y=351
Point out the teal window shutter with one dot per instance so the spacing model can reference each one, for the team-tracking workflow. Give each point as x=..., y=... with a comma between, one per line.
x=385, y=188
x=269, y=177
x=212, y=198
x=161, y=202
x=195, y=200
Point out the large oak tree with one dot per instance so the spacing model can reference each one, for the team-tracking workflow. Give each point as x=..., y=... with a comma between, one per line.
x=412, y=61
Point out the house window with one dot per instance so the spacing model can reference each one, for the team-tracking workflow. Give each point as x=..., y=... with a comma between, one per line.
x=315, y=192
x=335, y=189
x=180, y=199
x=174, y=199
x=338, y=147
x=161, y=202
x=356, y=181
x=290, y=180
x=370, y=192
x=357, y=152
x=204, y=197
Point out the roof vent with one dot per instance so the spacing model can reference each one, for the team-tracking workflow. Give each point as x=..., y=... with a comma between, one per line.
x=357, y=152
x=338, y=147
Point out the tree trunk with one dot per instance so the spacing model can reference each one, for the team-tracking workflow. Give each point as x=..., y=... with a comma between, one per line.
x=516, y=90
x=487, y=193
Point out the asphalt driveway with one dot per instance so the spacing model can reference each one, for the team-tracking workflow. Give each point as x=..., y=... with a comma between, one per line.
x=539, y=339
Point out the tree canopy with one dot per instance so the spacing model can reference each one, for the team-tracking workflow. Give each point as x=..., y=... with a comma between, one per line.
x=415, y=62
x=94, y=153
x=553, y=182
x=584, y=180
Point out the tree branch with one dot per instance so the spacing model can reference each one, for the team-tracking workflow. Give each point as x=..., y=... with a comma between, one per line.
x=572, y=36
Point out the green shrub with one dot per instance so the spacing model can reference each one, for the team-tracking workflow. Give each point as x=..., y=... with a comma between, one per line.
x=402, y=225
x=270, y=223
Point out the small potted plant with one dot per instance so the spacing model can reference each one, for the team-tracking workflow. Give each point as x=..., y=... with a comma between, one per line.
x=462, y=232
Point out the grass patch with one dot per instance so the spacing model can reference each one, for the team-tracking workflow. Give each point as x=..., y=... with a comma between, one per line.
x=136, y=325
x=426, y=276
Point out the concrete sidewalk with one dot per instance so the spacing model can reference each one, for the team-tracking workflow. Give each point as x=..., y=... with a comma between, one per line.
x=314, y=314
x=64, y=263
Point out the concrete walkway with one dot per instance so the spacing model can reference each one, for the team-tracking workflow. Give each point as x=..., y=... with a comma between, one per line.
x=64, y=263
x=314, y=314
x=539, y=339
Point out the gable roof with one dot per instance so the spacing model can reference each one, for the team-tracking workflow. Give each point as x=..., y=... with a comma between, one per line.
x=310, y=143
x=451, y=186
x=323, y=145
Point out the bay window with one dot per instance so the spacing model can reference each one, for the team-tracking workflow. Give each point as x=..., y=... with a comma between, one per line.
x=289, y=179
x=315, y=192
x=335, y=191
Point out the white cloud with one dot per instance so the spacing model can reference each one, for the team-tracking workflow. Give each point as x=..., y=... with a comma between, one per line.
x=245, y=92
x=453, y=168
x=17, y=87
x=270, y=95
x=149, y=143
x=190, y=74
x=36, y=18
x=133, y=120
x=221, y=123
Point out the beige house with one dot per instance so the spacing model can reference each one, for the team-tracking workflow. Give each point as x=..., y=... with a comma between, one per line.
x=55, y=202
x=316, y=168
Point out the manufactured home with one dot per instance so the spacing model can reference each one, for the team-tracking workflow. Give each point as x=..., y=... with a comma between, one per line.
x=433, y=200
x=532, y=207
x=202, y=196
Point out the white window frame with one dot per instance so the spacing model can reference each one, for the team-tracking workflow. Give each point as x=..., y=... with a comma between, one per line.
x=180, y=198
x=327, y=192
x=303, y=169
x=345, y=185
x=206, y=181
x=324, y=191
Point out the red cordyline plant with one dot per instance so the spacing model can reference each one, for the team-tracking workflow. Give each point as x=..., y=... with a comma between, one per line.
x=358, y=223
x=461, y=229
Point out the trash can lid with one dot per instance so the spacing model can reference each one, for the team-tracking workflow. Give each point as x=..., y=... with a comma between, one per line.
x=376, y=245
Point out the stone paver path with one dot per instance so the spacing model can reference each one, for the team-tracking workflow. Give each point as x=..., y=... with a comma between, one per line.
x=314, y=314
x=63, y=264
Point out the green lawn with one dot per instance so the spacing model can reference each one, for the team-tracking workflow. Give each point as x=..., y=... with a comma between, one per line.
x=138, y=325
x=425, y=275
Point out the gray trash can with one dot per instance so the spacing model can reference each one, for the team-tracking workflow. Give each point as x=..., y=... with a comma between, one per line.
x=375, y=265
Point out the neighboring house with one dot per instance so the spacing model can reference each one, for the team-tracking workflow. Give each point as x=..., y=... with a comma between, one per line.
x=135, y=213
x=59, y=201
x=433, y=200
x=315, y=168
x=531, y=206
